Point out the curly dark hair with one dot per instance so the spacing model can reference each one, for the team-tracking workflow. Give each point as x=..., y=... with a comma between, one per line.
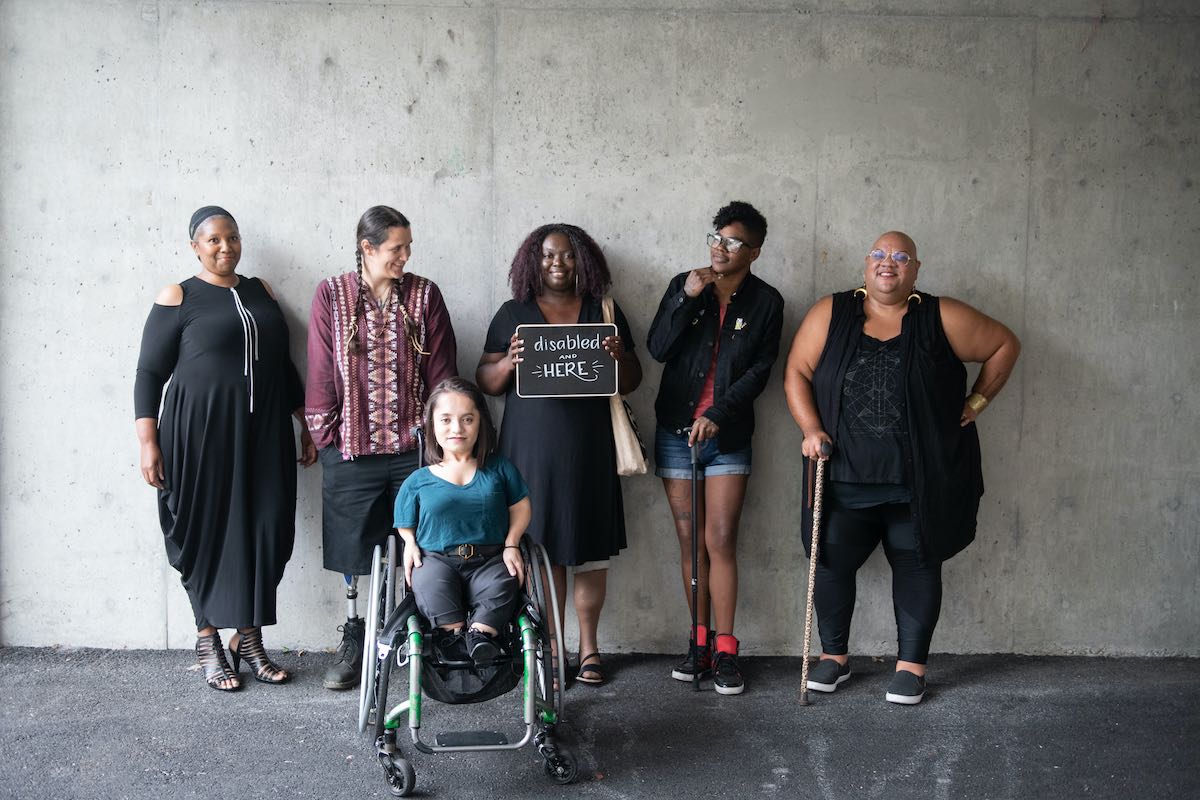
x=484, y=445
x=739, y=211
x=591, y=270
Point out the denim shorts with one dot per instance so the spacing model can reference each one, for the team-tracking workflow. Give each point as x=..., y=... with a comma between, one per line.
x=673, y=457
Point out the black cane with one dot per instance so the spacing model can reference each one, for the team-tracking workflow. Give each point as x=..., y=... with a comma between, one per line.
x=695, y=645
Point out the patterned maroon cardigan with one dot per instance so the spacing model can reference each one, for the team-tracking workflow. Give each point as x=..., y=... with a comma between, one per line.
x=366, y=403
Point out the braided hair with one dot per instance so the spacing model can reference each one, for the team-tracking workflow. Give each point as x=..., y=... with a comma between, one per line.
x=592, y=277
x=374, y=226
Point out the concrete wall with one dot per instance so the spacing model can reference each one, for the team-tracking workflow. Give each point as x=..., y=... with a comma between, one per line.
x=1045, y=161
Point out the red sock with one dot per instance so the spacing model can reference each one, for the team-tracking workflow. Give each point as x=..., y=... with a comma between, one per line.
x=701, y=635
x=727, y=643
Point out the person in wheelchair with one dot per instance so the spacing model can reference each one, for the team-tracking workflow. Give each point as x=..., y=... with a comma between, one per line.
x=461, y=519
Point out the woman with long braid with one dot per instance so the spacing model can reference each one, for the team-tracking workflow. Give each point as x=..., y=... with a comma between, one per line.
x=379, y=339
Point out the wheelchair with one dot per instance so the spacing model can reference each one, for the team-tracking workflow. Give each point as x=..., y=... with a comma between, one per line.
x=397, y=636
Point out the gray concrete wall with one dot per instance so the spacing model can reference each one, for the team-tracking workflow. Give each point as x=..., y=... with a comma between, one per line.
x=1046, y=163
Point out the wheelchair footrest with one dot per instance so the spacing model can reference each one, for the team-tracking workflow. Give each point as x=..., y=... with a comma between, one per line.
x=470, y=739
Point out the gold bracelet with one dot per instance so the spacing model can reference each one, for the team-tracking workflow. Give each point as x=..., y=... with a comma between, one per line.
x=977, y=402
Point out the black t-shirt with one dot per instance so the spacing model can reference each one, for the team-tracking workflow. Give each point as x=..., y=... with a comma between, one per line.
x=872, y=433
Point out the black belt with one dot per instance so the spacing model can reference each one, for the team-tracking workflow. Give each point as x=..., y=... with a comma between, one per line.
x=469, y=551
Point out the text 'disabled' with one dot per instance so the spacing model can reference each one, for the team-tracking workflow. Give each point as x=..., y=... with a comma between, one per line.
x=566, y=361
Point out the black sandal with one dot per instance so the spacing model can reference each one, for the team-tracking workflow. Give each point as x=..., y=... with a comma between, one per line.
x=250, y=647
x=591, y=674
x=211, y=656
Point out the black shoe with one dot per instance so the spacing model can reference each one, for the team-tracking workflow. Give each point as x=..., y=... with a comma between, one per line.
x=906, y=688
x=699, y=659
x=827, y=674
x=451, y=647
x=727, y=678
x=347, y=669
x=482, y=647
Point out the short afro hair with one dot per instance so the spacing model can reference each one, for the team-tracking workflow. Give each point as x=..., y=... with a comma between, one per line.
x=752, y=221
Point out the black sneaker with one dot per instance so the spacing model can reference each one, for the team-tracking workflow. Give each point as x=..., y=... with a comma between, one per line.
x=347, y=669
x=450, y=647
x=482, y=647
x=727, y=678
x=906, y=688
x=699, y=659
x=827, y=674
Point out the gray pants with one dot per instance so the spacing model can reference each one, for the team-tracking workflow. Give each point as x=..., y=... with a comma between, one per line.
x=446, y=588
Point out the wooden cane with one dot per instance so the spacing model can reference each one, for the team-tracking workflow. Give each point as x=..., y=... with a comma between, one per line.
x=818, y=491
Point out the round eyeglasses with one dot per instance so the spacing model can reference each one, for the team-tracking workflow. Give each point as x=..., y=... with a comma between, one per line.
x=899, y=257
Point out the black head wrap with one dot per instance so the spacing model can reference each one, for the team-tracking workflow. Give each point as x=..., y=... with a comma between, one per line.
x=206, y=213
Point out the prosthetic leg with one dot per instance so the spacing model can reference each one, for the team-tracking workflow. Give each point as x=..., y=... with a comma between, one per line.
x=345, y=671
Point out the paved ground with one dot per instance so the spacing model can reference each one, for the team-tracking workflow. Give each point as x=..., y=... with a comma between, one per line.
x=134, y=724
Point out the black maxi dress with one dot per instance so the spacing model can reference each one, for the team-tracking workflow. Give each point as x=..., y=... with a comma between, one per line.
x=228, y=447
x=564, y=449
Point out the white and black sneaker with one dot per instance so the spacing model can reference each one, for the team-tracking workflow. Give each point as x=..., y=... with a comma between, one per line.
x=727, y=678
x=906, y=688
x=698, y=659
x=827, y=674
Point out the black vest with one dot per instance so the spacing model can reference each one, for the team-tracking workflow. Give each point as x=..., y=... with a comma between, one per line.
x=945, y=474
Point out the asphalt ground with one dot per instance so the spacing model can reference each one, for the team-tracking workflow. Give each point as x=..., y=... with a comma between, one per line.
x=141, y=724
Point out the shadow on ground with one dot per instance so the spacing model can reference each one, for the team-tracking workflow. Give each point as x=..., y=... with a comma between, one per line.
x=140, y=724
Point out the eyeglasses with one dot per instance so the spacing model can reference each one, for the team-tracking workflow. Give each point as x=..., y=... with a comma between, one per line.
x=726, y=243
x=899, y=257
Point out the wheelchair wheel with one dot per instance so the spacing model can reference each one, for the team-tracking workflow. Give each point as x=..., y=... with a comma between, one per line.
x=380, y=601
x=561, y=768
x=401, y=776
x=539, y=579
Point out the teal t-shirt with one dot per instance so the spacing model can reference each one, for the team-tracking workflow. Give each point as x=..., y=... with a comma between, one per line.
x=445, y=515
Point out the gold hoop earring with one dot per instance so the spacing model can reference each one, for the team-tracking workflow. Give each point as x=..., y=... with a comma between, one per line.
x=861, y=291
x=914, y=295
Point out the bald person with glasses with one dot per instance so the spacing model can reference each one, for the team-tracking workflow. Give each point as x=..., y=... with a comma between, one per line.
x=878, y=375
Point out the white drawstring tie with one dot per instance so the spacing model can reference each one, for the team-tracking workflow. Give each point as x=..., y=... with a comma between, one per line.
x=250, y=337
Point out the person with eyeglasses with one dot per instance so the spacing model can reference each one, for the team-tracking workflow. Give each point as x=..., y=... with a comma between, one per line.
x=877, y=374
x=717, y=333
x=379, y=340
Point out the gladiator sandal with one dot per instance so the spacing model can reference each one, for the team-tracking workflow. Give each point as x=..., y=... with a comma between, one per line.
x=250, y=647
x=211, y=656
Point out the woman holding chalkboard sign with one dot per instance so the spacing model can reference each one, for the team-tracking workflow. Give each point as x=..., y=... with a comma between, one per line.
x=564, y=446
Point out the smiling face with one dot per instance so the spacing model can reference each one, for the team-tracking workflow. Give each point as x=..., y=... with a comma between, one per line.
x=883, y=277
x=727, y=264
x=558, y=263
x=386, y=261
x=455, y=423
x=218, y=245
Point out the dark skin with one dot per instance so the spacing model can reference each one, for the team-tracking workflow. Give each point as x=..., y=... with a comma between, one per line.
x=560, y=305
x=720, y=506
x=218, y=248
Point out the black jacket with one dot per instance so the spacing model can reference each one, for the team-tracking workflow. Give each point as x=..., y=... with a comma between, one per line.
x=682, y=337
x=944, y=471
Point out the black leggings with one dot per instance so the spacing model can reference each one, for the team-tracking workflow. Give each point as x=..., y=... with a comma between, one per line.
x=851, y=535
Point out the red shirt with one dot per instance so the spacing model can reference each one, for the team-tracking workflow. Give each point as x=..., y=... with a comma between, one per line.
x=367, y=402
x=706, y=394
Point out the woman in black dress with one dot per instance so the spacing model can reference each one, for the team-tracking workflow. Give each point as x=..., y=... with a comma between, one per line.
x=564, y=447
x=222, y=455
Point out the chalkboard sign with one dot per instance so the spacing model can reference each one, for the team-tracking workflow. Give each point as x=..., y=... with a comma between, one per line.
x=566, y=361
